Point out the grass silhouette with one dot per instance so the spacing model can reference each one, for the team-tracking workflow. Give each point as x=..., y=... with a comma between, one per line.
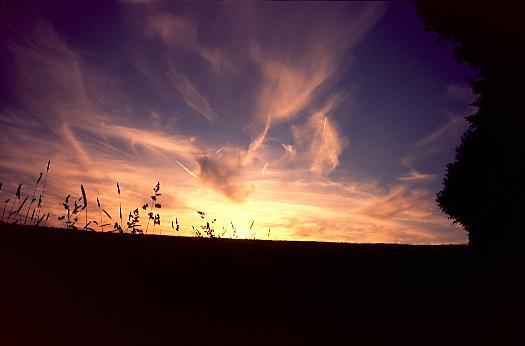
x=17, y=195
x=73, y=207
x=134, y=222
x=153, y=205
x=33, y=198
x=120, y=209
x=84, y=200
x=42, y=194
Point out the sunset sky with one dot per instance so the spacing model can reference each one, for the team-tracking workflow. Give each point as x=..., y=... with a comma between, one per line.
x=319, y=121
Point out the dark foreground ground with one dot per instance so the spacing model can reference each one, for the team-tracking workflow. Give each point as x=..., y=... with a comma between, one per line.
x=74, y=288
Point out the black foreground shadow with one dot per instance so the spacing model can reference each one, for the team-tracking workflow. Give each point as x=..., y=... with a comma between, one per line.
x=69, y=288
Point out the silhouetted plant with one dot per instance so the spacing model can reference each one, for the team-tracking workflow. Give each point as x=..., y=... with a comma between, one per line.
x=208, y=230
x=117, y=228
x=41, y=218
x=71, y=218
x=154, y=205
x=5, y=204
x=17, y=212
x=33, y=198
x=47, y=217
x=84, y=200
x=253, y=234
x=234, y=235
x=134, y=222
x=87, y=228
x=99, y=214
x=107, y=214
x=68, y=224
x=73, y=207
x=120, y=205
x=197, y=232
x=17, y=196
x=177, y=226
x=101, y=224
x=208, y=227
x=85, y=207
x=41, y=196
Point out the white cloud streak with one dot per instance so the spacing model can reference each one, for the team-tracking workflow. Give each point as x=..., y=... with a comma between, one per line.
x=191, y=96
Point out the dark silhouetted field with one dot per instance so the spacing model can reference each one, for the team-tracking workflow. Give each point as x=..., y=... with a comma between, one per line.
x=70, y=287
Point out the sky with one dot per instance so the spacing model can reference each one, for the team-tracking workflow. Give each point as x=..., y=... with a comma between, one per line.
x=311, y=121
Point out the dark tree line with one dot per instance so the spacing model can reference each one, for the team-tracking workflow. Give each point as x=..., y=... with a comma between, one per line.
x=483, y=188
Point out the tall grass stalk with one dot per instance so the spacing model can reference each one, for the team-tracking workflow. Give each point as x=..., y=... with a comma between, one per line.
x=120, y=204
x=40, y=220
x=3, y=212
x=234, y=236
x=41, y=197
x=253, y=234
x=150, y=216
x=5, y=204
x=17, y=195
x=47, y=217
x=17, y=212
x=33, y=197
x=100, y=214
x=84, y=200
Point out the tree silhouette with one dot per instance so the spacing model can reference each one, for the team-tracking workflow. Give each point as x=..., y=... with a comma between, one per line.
x=483, y=187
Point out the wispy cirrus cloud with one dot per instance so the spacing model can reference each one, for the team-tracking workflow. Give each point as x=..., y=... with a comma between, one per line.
x=292, y=74
x=179, y=31
x=271, y=150
x=319, y=141
x=416, y=176
x=191, y=95
x=435, y=141
x=454, y=125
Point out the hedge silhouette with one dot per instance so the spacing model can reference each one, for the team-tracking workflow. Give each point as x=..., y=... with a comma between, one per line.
x=483, y=187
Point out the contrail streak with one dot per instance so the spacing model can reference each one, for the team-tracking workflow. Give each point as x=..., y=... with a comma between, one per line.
x=260, y=139
x=264, y=168
x=23, y=37
x=324, y=128
x=187, y=170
